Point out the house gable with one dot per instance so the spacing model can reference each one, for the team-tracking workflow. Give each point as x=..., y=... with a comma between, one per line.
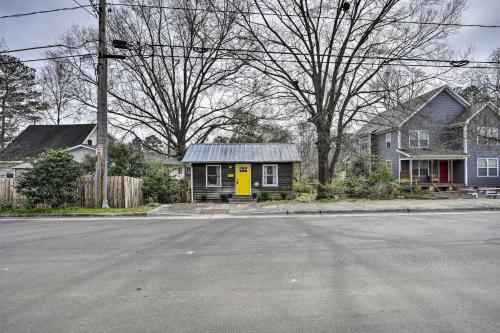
x=434, y=116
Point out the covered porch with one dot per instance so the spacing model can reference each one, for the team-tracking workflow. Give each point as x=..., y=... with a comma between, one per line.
x=440, y=173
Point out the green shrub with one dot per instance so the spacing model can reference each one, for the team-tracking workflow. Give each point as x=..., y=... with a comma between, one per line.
x=331, y=191
x=160, y=186
x=264, y=196
x=203, y=197
x=53, y=180
x=284, y=195
x=302, y=186
x=224, y=197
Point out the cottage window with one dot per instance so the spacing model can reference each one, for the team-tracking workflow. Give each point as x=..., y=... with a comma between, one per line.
x=89, y=142
x=188, y=170
x=213, y=176
x=487, y=167
x=388, y=139
x=270, y=175
x=487, y=136
x=419, y=139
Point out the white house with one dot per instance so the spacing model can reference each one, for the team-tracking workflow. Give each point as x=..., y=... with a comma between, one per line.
x=78, y=139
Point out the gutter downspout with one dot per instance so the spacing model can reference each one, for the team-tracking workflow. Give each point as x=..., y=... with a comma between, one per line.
x=192, y=193
x=466, y=176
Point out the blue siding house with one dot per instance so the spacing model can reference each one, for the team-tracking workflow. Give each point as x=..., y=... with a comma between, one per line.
x=438, y=139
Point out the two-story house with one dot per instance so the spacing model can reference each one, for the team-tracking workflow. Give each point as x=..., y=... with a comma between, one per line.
x=438, y=139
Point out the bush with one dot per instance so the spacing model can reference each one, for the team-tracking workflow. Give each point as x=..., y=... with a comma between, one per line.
x=160, y=187
x=223, y=197
x=53, y=180
x=203, y=197
x=333, y=191
x=283, y=195
x=124, y=159
x=264, y=196
x=302, y=186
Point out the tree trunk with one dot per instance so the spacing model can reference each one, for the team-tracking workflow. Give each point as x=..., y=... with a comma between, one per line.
x=181, y=149
x=323, y=145
x=2, y=130
x=335, y=157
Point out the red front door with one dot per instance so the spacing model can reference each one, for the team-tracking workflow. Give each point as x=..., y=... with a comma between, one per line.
x=443, y=171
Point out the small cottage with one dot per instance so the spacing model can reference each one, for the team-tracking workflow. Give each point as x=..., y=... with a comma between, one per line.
x=241, y=171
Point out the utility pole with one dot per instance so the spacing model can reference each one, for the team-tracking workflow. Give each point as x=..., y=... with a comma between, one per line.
x=101, y=177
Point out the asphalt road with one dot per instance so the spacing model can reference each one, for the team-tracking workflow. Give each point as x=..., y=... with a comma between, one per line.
x=378, y=273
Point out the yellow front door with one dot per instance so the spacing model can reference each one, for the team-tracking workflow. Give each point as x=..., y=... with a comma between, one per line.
x=243, y=179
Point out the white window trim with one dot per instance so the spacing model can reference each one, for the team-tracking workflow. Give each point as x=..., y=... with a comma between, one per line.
x=219, y=175
x=487, y=167
x=418, y=138
x=264, y=175
x=388, y=135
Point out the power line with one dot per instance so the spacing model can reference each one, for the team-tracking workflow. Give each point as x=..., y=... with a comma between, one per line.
x=227, y=11
x=49, y=58
x=262, y=60
x=204, y=49
x=452, y=63
x=488, y=26
x=46, y=47
x=271, y=52
x=44, y=11
x=88, y=11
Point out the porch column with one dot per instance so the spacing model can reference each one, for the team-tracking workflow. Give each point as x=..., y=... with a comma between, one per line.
x=451, y=171
x=431, y=166
x=411, y=171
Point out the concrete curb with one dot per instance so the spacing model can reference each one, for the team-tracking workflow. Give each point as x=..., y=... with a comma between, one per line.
x=339, y=212
x=78, y=215
x=399, y=210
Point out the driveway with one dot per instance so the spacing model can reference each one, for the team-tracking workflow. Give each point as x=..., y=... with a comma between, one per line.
x=344, y=273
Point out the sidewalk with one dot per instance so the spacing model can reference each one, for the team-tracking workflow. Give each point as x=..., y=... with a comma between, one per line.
x=341, y=207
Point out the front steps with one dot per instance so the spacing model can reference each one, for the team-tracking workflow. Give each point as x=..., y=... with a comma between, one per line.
x=242, y=199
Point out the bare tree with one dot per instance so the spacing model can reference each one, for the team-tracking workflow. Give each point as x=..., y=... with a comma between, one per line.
x=58, y=87
x=180, y=80
x=326, y=54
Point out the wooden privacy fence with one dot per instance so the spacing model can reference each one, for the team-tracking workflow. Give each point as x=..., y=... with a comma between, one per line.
x=123, y=192
x=8, y=193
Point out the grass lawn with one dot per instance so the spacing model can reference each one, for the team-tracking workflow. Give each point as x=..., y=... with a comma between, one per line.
x=69, y=210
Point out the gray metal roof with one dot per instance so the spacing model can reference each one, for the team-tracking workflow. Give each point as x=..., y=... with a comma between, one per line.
x=242, y=152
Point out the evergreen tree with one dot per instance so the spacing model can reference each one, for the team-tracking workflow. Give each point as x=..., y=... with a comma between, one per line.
x=19, y=97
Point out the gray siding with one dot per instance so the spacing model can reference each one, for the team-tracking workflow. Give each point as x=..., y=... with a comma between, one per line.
x=434, y=117
x=475, y=150
x=379, y=147
x=285, y=181
x=458, y=171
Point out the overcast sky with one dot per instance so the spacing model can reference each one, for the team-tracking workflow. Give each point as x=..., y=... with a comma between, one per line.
x=44, y=29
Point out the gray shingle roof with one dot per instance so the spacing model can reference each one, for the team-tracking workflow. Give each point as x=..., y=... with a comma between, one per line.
x=161, y=159
x=242, y=152
x=463, y=116
x=38, y=138
x=433, y=153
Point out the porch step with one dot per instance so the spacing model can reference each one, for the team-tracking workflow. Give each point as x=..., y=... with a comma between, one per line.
x=242, y=198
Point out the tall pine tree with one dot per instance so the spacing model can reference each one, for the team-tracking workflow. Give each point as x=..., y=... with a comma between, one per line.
x=19, y=98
